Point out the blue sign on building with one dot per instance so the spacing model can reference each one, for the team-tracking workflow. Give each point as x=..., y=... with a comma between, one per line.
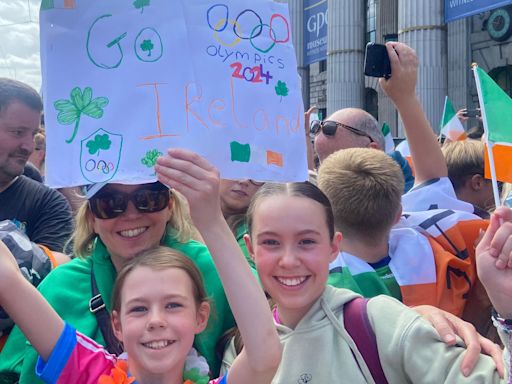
x=458, y=9
x=315, y=31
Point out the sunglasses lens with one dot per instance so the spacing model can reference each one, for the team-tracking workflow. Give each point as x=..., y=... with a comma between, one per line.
x=108, y=206
x=315, y=127
x=147, y=200
x=329, y=128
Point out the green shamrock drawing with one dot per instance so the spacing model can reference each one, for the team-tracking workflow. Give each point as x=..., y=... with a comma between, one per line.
x=70, y=111
x=140, y=4
x=99, y=142
x=281, y=89
x=150, y=159
x=147, y=45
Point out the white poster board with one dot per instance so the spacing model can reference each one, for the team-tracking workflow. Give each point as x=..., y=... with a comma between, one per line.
x=124, y=80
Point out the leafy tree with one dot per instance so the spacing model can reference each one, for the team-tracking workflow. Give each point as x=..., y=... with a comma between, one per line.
x=99, y=142
x=147, y=45
x=281, y=89
x=150, y=159
x=70, y=111
x=140, y=4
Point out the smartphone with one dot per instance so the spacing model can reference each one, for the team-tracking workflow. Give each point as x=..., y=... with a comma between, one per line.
x=376, y=61
x=471, y=113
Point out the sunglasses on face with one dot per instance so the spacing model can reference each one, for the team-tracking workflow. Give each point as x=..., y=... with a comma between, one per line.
x=329, y=128
x=111, y=204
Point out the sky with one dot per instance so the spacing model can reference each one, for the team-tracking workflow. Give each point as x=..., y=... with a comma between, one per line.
x=19, y=41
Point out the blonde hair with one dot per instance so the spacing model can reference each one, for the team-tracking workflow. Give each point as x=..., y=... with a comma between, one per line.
x=158, y=259
x=365, y=188
x=179, y=226
x=463, y=159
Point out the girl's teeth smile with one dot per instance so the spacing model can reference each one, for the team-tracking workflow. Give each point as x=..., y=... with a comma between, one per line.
x=157, y=344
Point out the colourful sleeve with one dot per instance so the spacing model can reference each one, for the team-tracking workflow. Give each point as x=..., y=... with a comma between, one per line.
x=75, y=359
x=220, y=380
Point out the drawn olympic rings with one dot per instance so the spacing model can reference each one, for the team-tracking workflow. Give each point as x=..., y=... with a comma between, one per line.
x=101, y=165
x=248, y=25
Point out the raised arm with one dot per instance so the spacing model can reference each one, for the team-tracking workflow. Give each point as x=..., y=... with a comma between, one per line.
x=198, y=181
x=494, y=261
x=427, y=158
x=26, y=307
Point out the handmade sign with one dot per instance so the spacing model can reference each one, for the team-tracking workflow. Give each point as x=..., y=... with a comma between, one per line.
x=123, y=81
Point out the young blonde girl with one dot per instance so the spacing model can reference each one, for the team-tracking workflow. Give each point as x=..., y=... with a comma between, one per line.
x=158, y=310
x=292, y=240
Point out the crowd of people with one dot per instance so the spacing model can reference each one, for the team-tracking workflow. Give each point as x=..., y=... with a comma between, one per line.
x=197, y=279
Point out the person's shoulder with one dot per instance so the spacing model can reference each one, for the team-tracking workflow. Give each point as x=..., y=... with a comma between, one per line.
x=191, y=248
x=66, y=276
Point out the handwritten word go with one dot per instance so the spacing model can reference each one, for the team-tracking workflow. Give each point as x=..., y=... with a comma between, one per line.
x=146, y=38
x=247, y=25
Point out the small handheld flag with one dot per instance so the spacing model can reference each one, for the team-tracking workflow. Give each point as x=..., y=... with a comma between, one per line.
x=496, y=107
x=388, y=138
x=451, y=127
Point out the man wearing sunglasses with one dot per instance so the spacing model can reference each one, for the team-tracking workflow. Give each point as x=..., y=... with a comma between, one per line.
x=354, y=128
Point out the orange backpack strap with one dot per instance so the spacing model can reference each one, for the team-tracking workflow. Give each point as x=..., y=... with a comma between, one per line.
x=48, y=252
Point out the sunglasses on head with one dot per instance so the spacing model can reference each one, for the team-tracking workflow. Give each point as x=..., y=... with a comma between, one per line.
x=329, y=128
x=110, y=203
x=256, y=183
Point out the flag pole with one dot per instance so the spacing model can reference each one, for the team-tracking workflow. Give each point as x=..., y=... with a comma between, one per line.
x=490, y=144
x=442, y=118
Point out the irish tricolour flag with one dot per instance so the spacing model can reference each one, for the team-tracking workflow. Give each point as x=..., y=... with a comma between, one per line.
x=451, y=127
x=388, y=138
x=496, y=107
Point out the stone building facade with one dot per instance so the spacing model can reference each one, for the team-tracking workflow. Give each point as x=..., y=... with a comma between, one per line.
x=445, y=50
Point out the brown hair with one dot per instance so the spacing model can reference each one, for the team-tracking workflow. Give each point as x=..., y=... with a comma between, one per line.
x=305, y=189
x=158, y=259
x=14, y=90
x=365, y=188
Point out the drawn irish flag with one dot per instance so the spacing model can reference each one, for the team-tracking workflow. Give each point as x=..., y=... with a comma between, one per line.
x=451, y=127
x=62, y=4
x=388, y=138
x=496, y=107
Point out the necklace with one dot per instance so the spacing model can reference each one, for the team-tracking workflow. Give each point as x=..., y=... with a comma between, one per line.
x=195, y=372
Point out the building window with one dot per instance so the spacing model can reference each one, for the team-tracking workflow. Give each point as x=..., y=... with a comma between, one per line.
x=503, y=77
x=371, y=21
x=323, y=65
x=371, y=102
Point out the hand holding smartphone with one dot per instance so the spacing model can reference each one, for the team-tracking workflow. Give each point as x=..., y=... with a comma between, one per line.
x=376, y=61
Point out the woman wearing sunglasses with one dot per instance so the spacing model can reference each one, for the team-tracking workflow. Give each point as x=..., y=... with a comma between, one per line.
x=116, y=223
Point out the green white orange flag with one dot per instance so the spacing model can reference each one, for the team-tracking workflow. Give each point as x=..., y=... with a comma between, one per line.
x=496, y=107
x=388, y=138
x=451, y=127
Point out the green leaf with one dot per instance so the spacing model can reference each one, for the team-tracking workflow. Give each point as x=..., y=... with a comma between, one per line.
x=281, y=88
x=87, y=96
x=64, y=106
x=140, y=4
x=68, y=117
x=101, y=102
x=76, y=98
x=150, y=159
x=100, y=142
x=93, y=111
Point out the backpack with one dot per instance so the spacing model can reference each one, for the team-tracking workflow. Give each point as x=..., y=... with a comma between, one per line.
x=357, y=324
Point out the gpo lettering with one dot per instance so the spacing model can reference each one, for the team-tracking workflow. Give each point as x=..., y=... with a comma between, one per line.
x=316, y=22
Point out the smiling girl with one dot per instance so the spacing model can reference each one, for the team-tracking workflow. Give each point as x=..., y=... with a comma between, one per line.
x=292, y=239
